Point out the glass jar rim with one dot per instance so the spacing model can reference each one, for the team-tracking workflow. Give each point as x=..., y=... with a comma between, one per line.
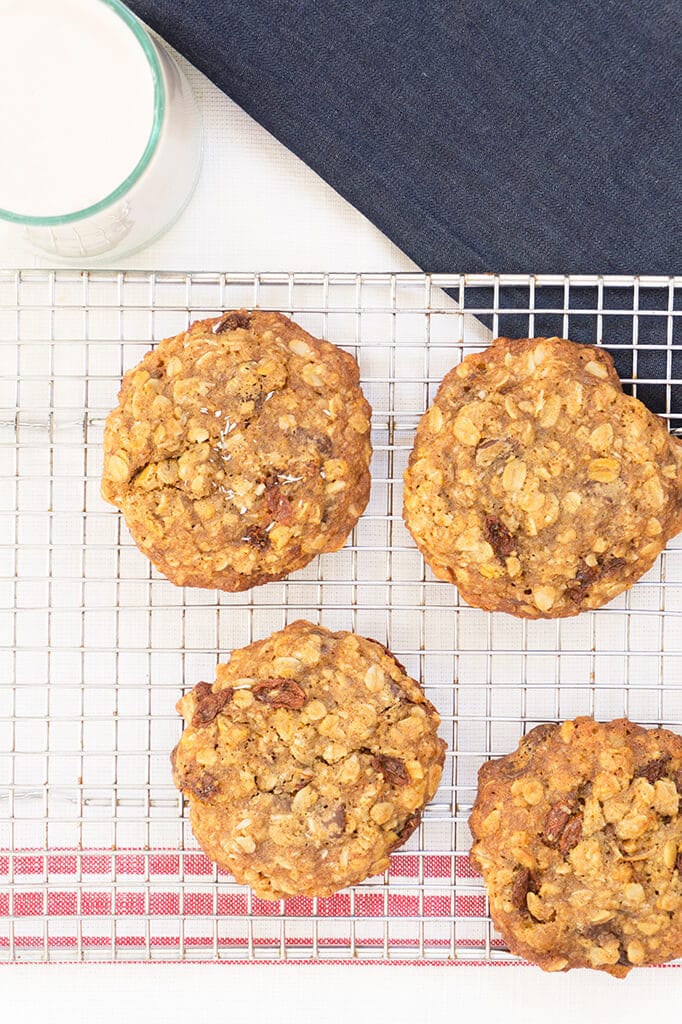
x=140, y=167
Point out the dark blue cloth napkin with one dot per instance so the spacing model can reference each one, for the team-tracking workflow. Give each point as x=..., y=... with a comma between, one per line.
x=503, y=135
x=516, y=135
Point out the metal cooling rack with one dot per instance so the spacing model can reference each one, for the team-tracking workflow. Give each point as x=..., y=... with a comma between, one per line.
x=97, y=861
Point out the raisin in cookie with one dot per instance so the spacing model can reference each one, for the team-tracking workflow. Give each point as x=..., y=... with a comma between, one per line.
x=579, y=840
x=239, y=450
x=536, y=485
x=307, y=761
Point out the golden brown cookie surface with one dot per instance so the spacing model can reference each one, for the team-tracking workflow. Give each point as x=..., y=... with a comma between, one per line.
x=239, y=450
x=536, y=485
x=308, y=761
x=578, y=836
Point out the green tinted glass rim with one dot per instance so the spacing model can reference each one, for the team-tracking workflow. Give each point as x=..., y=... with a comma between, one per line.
x=150, y=53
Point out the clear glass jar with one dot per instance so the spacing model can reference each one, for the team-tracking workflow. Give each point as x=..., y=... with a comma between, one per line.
x=154, y=194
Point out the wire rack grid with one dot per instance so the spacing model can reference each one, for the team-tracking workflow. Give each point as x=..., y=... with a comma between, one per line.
x=97, y=861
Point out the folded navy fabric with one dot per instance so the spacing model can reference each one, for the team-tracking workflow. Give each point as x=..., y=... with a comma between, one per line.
x=524, y=135
x=501, y=135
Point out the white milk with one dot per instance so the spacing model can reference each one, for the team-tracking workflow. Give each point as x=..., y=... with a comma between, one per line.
x=77, y=107
x=76, y=104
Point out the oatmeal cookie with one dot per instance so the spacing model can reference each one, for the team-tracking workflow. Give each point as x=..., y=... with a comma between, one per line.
x=579, y=840
x=239, y=450
x=536, y=485
x=307, y=761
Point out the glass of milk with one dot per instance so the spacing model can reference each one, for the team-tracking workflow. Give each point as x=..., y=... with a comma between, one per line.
x=100, y=132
